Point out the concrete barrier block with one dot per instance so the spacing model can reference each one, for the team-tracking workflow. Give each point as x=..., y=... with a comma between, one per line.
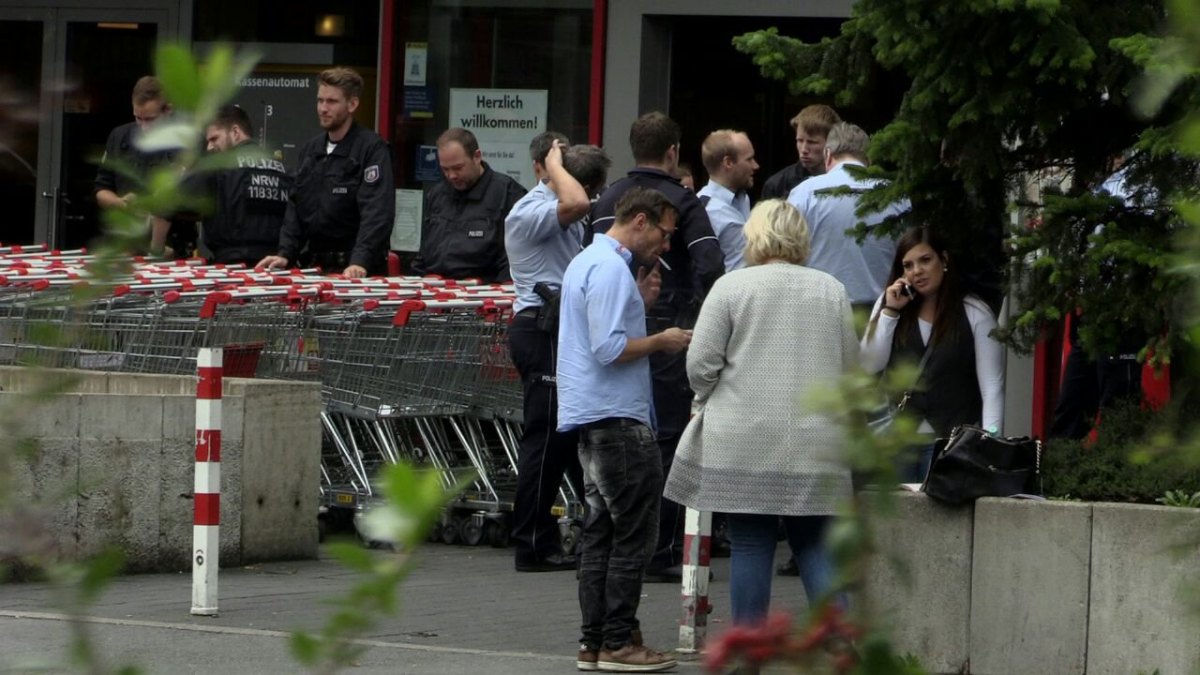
x=56, y=417
x=281, y=429
x=177, y=506
x=137, y=384
x=1029, y=587
x=119, y=485
x=21, y=379
x=1145, y=569
x=44, y=501
x=920, y=583
x=127, y=418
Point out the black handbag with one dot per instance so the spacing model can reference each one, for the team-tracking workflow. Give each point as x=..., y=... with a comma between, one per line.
x=972, y=463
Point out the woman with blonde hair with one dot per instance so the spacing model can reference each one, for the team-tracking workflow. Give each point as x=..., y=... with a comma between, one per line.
x=768, y=336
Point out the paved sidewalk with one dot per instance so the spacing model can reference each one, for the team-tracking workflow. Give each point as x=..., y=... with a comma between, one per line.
x=464, y=610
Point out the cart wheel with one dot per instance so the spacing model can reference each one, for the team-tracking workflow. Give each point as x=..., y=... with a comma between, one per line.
x=497, y=533
x=435, y=533
x=570, y=539
x=470, y=532
x=450, y=532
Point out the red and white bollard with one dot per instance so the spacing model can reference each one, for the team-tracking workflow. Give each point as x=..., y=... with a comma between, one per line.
x=206, y=525
x=697, y=549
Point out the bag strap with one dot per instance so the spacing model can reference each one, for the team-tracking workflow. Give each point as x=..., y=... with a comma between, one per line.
x=920, y=370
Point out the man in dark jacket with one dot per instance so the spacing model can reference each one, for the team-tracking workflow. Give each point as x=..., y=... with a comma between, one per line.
x=343, y=206
x=462, y=231
x=249, y=197
x=689, y=268
x=812, y=127
x=119, y=189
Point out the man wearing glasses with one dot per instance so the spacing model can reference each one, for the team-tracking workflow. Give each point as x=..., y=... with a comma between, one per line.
x=688, y=270
x=118, y=189
x=604, y=392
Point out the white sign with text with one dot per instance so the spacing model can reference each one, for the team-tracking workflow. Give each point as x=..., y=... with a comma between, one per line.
x=504, y=121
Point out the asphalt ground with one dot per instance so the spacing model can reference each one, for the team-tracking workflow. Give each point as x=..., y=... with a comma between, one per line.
x=463, y=610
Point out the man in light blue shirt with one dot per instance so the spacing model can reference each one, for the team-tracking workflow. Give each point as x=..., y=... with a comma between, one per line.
x=542, y=233
x=728, y=157
x=862, y=268
x=604, y=391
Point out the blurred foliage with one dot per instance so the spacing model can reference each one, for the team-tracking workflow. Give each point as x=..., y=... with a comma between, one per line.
x=413, y=500
x=1132, y=459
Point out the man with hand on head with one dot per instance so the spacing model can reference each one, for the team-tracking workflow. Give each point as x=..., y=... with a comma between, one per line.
x=342, y=210
x=542, y=234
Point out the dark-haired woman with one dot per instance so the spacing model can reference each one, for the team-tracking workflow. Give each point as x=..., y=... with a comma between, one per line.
x=925, y=307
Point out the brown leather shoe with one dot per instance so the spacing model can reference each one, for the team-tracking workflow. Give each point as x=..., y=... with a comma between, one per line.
x=634, y=659
x=587, y=658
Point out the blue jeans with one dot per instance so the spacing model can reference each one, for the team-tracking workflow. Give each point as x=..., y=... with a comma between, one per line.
x=623, y=483
x=752, y=560
x=915, y=461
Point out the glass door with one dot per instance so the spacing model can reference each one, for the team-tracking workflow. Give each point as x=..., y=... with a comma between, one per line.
x=26, y=38
x=56, y=111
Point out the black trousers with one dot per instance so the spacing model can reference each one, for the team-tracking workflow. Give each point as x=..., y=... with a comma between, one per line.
x=672, y=406
x=545, y=454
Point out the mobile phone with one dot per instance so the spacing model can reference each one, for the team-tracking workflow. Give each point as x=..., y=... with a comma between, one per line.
x=908, y=291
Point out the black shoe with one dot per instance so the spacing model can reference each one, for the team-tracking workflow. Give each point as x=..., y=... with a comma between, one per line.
x=788, y=569
x=555, y=562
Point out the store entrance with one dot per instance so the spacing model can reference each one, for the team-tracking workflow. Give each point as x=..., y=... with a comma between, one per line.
x=714, y=86
x=57, y=112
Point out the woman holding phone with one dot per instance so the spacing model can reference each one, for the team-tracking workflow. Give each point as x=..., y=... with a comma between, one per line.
x=925, y=318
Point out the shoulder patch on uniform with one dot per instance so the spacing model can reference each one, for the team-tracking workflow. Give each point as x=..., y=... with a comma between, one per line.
x=371, y=175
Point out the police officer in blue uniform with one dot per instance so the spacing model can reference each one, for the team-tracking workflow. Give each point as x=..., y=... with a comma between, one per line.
x=343, y=205
x=250, y=195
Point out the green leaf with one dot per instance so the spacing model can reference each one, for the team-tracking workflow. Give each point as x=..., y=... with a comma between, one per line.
x=352, y=555
x=176, y=70
x=305, y=648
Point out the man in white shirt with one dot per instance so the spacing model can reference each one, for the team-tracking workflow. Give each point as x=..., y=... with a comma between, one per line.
x=862, y=268
x=728, y=157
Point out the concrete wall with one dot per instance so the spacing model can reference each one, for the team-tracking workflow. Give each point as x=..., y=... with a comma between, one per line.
x=1029, y=587
x=926, y=564
x=115, y=455
x=1046, y=587
x=1146, y=569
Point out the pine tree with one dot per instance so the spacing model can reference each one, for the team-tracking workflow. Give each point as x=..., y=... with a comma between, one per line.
x=1014, y=110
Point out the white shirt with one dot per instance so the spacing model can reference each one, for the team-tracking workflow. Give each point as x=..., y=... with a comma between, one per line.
x=728, y=213
x=989, y=356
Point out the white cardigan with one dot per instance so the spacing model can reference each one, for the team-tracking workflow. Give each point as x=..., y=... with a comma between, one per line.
x=768, y=339
x=989, y=356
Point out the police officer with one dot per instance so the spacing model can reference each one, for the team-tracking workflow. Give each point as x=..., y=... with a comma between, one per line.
x=543, y=233
x=343, y=205
x=250, y=195
x=117, y=189
x=462, y=233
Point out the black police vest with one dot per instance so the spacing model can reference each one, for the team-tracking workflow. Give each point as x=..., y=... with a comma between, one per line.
x=947, y=393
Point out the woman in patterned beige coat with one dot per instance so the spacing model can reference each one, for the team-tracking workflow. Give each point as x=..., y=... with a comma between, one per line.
x=768, y=337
